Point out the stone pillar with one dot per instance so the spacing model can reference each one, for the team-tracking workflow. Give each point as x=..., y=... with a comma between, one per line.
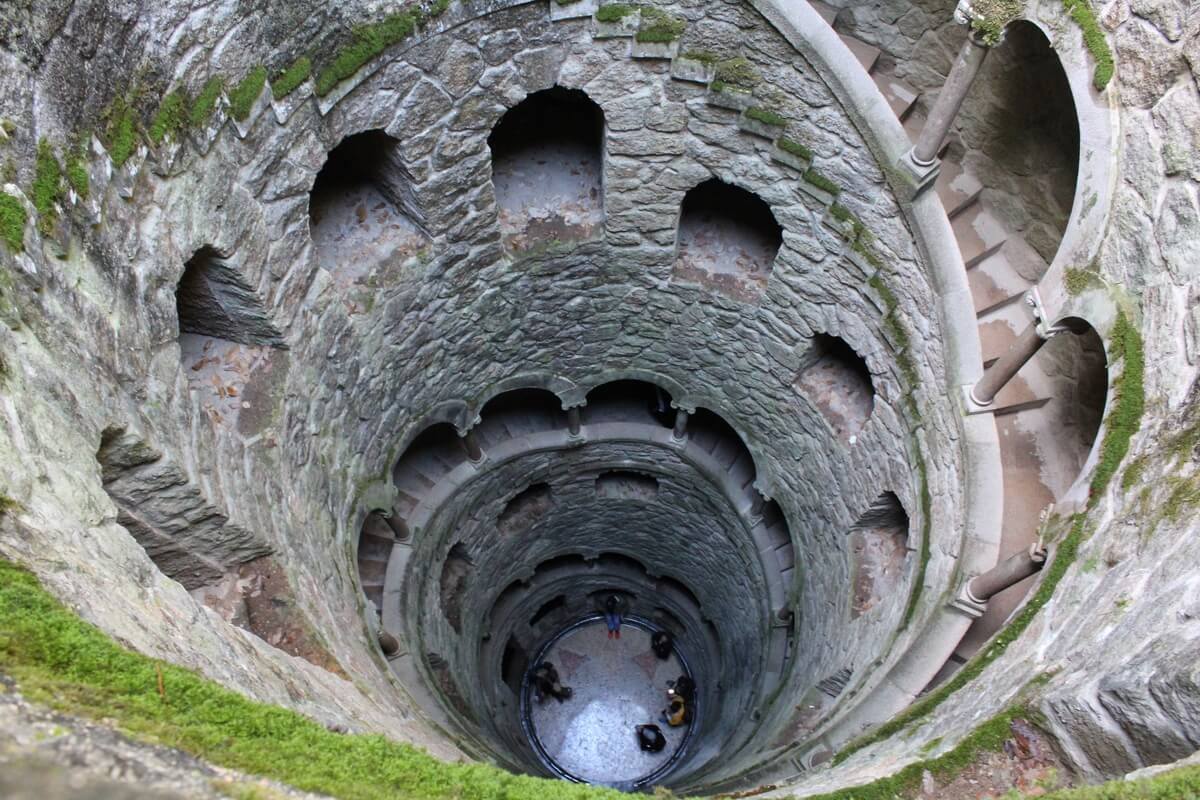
x=398, y=526
x=1000, y=373
x=679, y=432
x=921, y=161
x=1008, y=572
x=388, y=643
x=470, y=443
x=757, y=504
x=574, y=421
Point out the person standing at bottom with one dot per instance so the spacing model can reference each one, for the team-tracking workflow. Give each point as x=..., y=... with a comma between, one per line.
x=614, y=614
x=650, y=738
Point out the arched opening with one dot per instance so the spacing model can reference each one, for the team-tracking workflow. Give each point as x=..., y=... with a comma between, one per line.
x=456, y=570
x=519, y=412
x=434, y=453
x=727, y=240
x=362, y=212
x=628, y=401
x=626, y=485
x=228, y=345
x=375, y=542
x=548, y=169
x=547, y=608
x=878, y=552
x=837, y=381
x=525, y=508
x=711, y=433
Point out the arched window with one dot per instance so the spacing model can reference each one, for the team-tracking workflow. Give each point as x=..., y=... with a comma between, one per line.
x=837, y=381
x=728, y=239
x=362, y=212
x=878, y=550
x=548, y=169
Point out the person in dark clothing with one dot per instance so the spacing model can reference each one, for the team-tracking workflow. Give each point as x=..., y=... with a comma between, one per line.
x=660, y=643
x=614, y=613
x=683, y=686
x=650, y=738
x=545, y=682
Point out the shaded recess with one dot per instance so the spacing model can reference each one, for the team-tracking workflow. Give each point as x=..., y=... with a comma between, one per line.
x=229, y=348
x=456, y=571
x=1077, y=362
x=878, y=553
x=525, y=508
x=363, y=215
x=628, y=401
x=837, y=381
x=548, y=169
x=428, y=458
x=728, y=240
x=626, y=485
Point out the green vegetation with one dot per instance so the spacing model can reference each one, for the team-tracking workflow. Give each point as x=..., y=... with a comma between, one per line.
x=659, y=26
x=567, y=2
x=7, y=504
x=1079, y=281
x=613, y=12
x=1129, y=401
x=1185, y=493
x=290, y=79
x=171, y=117
x=1064, y=556
x=12, y=222
x=992, y=16
x=703, y=56
x=241, y=99
x=1093, y=39
x=367, y=43
x=120, y=132
x=814, y=178
x=735, y=73
x=766, y=116
x=794, y=147
x=63, y=662
x=1179, y=784
x=206, y=102
x=76, y=170
x=47, y=186
x=857, y=229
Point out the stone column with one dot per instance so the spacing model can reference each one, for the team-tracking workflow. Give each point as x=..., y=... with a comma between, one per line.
x=1008, y=572
x=679, y=432
x=1000, y=373
x=398, y=526
x=574, y=421
x=470, y=444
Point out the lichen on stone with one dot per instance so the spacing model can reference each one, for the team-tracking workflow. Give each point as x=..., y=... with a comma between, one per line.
x=657, y=26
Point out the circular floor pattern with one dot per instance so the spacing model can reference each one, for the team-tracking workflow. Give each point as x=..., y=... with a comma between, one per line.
x=616, y=684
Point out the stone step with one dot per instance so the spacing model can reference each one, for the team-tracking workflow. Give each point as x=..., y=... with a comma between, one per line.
x=978, y=234
x=374, y=593
x=1004, y=275
x=372, y=572
x=374, y=548
x=1000, y=408
x=957, y=188
x=899, y=95
x=867, y=54
x=827, y=12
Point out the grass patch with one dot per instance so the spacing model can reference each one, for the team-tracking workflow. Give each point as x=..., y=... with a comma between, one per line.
x=992, y=16
x=47, y=186
x=1078, y=281
x=241, y=99
x=367, y=43
x=290, y=79
x=659, y=26
x=794, y=147
x=61, y=661
x=12, y=222
x=171, y=117
x=1093, y=39
x=766, y=116
x=120, y=132
x=1129, y=402
x=76, y=171
x=613, y=12
x=814, y=178
x=1064, y=556
x=206, y=101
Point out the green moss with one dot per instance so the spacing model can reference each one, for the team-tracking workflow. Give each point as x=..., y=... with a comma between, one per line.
x=368, y=42
x=206, y=101
x=737, y=73
x=794, y=147
x=567, y=2
x=1093, y=38
x=821, y=182
x=1129, y=401
x=241, y=99
x=1183, y=444
x=1185, y=494
x=47, y=186
x=613, y=12
x=1064, y=555
x=7, y=504
x=76, y=170
x=290, y=79
x=1133, y=473
x=60, y=661
x=992, y=16
x=120, y=132
x=1078, y=281
x=659, y=26
x=857, y=229
x=703, y=56
x=171, y=117
x=12, y=222
x=766, y=116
